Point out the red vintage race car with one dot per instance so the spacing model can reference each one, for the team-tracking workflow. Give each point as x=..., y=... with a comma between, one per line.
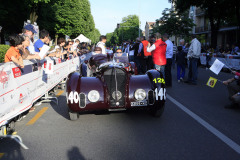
x=115, y=88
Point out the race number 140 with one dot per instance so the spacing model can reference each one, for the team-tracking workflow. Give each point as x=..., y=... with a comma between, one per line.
x=160, y=93
x=73, y=97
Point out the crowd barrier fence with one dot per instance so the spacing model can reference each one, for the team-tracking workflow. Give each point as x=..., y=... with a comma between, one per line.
x=21, y=87
x=231, y=61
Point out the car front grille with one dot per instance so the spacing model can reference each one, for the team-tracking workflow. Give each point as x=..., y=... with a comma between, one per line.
x=82, y=103
x=151, y=97
x=121, y=79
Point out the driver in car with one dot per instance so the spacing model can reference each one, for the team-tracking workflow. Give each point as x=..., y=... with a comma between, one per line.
x=118, y=55
x=95, y=61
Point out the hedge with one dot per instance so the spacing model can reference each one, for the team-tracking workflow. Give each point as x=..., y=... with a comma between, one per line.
x=3, y=50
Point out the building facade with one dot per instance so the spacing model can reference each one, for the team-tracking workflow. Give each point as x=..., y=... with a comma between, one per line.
x=149, y=29
x=226, y=35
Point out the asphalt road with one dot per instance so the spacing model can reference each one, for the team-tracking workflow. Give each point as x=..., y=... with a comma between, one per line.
x=195, y=125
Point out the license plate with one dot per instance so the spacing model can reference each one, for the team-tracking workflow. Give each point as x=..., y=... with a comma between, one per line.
x=138, y=103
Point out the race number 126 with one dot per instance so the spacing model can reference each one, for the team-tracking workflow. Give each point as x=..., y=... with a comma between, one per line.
x=159, y=80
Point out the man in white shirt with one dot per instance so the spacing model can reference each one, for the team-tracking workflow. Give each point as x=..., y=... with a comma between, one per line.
x=193, y=56
x=101, y=44
x=169, y=56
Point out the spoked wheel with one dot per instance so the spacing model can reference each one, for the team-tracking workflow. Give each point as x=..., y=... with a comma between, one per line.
x=73, y=116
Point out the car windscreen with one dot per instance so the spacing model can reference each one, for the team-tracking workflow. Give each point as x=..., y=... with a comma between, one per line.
x=120, y=57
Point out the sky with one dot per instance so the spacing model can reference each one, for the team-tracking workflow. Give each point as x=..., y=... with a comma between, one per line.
x=107, y=13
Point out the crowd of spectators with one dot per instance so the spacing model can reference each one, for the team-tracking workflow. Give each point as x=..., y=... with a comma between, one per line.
x=159, y=52
x=220, y=50
x=23, y=46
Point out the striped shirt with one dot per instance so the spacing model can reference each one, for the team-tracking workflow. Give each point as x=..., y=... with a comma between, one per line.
x=174, y=49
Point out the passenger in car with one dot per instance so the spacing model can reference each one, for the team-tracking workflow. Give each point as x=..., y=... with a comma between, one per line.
x=95, y=61
x=119, y=56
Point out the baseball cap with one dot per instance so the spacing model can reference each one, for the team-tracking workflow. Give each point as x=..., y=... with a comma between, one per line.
x=30, y=28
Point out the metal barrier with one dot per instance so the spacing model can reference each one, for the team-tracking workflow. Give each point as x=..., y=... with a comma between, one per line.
x=232, y=61
x=20, y=88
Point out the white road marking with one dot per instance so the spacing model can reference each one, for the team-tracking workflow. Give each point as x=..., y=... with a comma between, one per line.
x=209, y=127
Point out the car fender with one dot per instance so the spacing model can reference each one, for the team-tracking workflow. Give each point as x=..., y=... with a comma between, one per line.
x=156, y=78
x=138, y=82
x=158, y=84
x=81, y=86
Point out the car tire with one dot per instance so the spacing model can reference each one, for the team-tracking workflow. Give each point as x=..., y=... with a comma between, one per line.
x=73, y=116
x=157, y=112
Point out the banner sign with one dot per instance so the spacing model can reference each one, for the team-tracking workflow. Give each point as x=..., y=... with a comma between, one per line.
x=21, y=87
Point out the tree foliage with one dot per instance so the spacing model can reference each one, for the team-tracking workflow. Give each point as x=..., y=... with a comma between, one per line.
x=128, y=30
x=217, y=11
x=63, y=17
x=12, y=16
x=174, y=23
x=129, y=27
x=109, y=37
x=94, y=36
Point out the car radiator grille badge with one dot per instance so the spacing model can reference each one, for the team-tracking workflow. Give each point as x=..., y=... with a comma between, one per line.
x=119, y=95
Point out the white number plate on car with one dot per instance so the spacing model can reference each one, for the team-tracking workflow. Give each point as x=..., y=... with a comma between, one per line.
x=138, y=103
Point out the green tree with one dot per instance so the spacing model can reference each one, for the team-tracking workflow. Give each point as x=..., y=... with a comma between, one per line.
x=63, y=17
x=128, y=30
x=12, y=15
x=233, y=15
x=173, y=23
x=109, y=37
x=94, y=36
x=215, y=11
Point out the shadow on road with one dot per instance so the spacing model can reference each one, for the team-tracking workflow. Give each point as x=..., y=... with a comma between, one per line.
x=74, y=153
x=11, y=149
x=61, y=108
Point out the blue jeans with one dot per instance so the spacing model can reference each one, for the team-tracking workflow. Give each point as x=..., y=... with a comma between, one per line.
x=180, y=71
x=161, y=69
x=193, y=66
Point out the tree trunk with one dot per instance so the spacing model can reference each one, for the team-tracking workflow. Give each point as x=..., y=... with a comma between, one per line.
x=214, y=28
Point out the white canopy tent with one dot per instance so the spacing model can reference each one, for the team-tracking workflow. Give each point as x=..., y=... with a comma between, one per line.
x=82, y=38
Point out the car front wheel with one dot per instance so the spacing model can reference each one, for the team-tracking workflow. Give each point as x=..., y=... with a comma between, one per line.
x=73, y=116
x=156, y=111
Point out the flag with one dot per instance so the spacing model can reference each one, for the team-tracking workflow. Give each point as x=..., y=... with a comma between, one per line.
x=49, y=67
x=211, y=82
x=217, y=66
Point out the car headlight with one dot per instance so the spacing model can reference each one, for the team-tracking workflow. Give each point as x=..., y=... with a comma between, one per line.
x=140, y=94
x=93, y=96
